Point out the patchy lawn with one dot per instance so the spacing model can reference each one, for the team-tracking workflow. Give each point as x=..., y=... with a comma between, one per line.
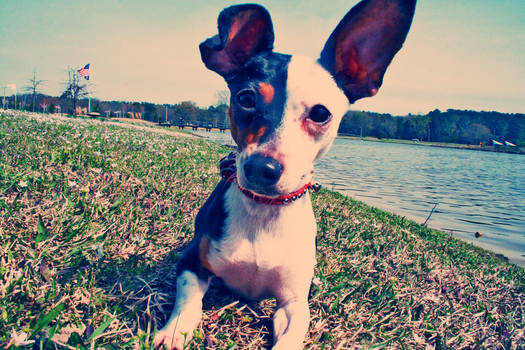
x=94, y=215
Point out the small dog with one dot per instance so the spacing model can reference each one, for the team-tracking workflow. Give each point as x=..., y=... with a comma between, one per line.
x=257, y=230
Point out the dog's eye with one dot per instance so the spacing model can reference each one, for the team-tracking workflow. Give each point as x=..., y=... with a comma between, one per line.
x=319, y=114
x=246, y=99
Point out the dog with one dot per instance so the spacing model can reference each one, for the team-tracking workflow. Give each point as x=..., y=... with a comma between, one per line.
x=256, y=232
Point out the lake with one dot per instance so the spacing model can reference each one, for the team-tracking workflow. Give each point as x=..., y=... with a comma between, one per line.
x=475, y=191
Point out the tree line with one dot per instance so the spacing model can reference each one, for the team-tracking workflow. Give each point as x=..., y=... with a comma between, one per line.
x=185, y=113
x=74, y=100
x=451, y=126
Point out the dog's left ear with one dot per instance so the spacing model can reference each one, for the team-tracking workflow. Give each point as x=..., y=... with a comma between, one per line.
x=244, y=31
x=364, y=43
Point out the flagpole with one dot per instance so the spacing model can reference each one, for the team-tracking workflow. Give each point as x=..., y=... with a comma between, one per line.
x=89, y=97
x=85, y=74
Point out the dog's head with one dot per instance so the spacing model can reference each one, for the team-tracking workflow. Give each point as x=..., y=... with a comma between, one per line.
x=285, y=110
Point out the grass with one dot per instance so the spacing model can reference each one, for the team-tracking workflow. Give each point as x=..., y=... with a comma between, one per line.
x=94, y=215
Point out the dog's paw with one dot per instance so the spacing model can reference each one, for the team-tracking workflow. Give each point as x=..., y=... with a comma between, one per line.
x=165, y=339
x=282, y=346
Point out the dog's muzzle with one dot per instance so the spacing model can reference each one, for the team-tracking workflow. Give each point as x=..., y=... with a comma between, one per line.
x=229, y=173
x=262, y=171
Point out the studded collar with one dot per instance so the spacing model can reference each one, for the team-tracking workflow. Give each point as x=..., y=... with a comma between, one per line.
x=229, y=171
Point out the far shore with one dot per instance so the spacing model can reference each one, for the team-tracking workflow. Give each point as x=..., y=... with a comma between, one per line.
x=485, y=148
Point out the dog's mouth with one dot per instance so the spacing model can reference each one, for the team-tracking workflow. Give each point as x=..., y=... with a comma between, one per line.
x=279, y=199
x=267, y=189
x=264, y=191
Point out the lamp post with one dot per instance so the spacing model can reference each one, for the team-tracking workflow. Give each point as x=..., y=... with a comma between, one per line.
x=3, y=98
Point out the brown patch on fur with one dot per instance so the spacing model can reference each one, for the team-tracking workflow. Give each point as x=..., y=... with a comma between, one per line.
x=204, y=248
x=261, y=132
x=240, y=20
x=348, y=63
x=267, y=91
x=248, y=137
x=245, y=33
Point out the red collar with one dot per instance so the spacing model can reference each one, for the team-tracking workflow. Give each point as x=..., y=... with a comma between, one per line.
x=229, y=173
x=284, y=199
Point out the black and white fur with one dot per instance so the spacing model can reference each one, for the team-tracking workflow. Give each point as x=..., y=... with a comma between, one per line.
x=285, y=112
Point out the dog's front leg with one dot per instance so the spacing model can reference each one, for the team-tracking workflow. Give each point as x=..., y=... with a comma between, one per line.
x=290, y=324
x=186, y=313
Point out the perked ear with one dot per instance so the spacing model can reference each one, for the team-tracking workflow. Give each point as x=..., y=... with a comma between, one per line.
x=364, y=43
x=244, y=31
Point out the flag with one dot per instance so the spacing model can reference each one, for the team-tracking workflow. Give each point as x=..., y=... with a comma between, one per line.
x=12, y=87
x=84, y=72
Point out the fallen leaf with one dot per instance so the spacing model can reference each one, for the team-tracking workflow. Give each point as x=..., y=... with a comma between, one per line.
x=20, y=339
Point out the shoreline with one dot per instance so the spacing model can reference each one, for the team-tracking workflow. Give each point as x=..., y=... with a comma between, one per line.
x=466, y=237
x=495, y=149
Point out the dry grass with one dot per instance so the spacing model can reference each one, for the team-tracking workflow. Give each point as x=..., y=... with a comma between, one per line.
x=93, y=217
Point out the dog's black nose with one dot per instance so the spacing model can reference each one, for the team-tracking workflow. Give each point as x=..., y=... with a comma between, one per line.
x=261, y=170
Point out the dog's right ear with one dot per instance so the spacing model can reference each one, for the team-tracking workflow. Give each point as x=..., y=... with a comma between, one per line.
x=244, y=31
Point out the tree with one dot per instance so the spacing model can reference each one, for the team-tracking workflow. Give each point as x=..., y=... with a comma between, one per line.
x=33, y=88
x=385, y=126
x=74, y=89
x=415, y=127
x=150, y=112
x=187, y=111
x=218, y=115
x=477, y=133
x=44, y=104
x=97, y=107
x=222, y=97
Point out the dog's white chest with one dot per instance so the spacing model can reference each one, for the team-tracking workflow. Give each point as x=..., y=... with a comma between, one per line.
x=265, y=253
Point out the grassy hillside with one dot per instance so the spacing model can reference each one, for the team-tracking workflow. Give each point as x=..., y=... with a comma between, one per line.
x=93, y=217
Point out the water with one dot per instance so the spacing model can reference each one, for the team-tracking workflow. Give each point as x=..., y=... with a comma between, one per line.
x=475, y=191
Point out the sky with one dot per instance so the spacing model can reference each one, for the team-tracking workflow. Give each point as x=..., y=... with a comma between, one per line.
x=466, y=54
